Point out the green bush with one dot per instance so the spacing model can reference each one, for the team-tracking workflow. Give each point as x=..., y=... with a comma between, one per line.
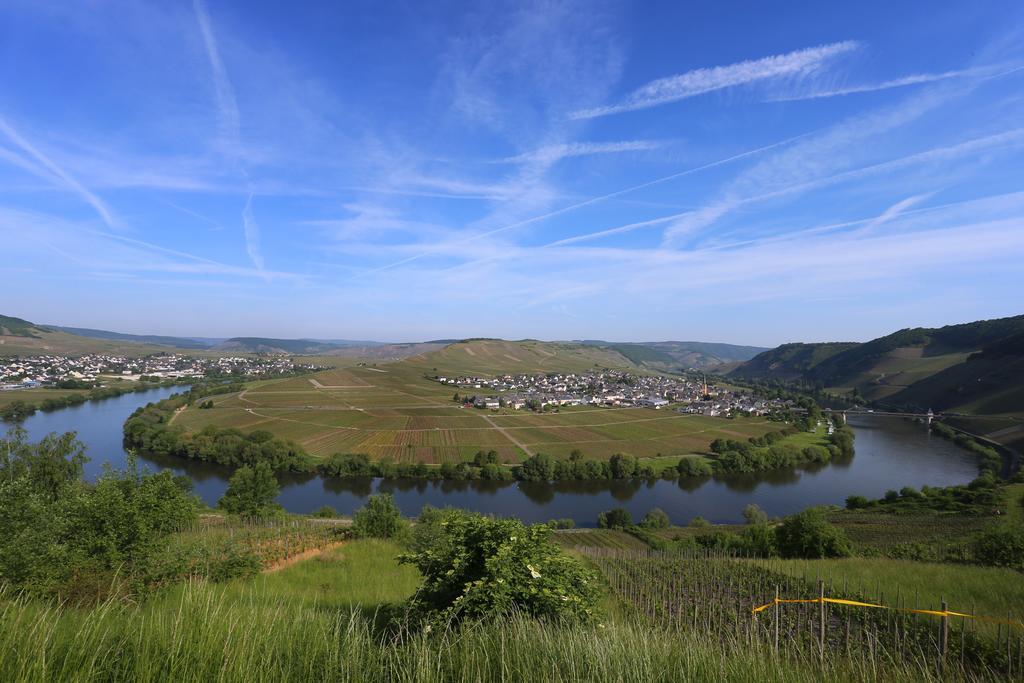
x=62, y=536
x=379, y=518
x=1000, y=546
x=655, y=519
x=616, y=518
x=325, y=511
x=478, y=567
x=694, y=467
x=809, y=535
x=857, y=502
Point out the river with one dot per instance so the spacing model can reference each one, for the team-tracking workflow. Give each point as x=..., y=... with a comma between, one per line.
x=890, y=454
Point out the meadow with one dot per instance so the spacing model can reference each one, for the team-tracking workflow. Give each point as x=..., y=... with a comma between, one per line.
x=393, y=411
x=325, y=618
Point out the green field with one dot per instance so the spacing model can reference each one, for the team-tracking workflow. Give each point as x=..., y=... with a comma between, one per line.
x=393, y=411
x=36, y=396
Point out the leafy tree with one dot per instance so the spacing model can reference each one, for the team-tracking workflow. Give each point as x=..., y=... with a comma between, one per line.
x=655, y=519
x=251, y=492
x=489, y=458
x=379, y=518
x=694, y=467
x=478, y=567
x=325, y=511
x=622, y=466
x=539, y=467
x=616, y=518
x=809, y=534
x=754, y=514
x=699, y=522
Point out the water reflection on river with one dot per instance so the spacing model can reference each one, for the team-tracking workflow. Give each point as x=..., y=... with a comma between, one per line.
x=891, y=453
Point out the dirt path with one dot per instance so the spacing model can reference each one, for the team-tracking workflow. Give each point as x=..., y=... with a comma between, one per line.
x=177, y=412
x=301, y=557
x=508, y=436
x=317, y=384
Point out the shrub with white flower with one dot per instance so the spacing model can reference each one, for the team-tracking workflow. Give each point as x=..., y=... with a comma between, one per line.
x=477, y=567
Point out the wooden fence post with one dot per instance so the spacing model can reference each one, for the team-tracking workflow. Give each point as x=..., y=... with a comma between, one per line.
x=821, y=619
x=776, y=619
x=943, y=638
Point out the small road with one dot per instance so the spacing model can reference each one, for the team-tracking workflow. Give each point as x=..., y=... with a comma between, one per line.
x=508, y=436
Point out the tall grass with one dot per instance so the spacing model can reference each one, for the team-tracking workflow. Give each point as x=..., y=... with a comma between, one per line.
x=320, y=620
x=205, y=634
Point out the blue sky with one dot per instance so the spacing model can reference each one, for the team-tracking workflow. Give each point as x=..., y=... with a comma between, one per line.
x=404, y=171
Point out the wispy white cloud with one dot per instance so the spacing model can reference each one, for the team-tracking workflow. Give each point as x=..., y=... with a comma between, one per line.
x=600, y=198
x=227, y=105
x=687, y=222
x=902, y=82
x=252, y=235
x=55, y=173
x=824, y=158
x=230, y=124
x=100, y=251
x=700, y=81
x=895, y=210
x=554, y=153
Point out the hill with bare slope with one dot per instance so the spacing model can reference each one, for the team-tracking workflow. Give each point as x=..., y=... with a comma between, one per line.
x=496, y=356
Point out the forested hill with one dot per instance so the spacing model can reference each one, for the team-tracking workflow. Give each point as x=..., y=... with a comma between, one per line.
x=673, y=356
x=974, y=367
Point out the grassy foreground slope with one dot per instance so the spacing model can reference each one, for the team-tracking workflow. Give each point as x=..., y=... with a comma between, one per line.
x=320, y=620
x=392, y=410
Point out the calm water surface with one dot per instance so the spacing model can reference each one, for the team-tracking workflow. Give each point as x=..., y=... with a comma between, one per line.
x=891, y=454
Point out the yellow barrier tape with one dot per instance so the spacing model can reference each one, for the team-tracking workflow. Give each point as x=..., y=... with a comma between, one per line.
x=856, y=603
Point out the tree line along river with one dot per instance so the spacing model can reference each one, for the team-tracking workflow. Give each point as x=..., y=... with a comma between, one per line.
x=890, y=453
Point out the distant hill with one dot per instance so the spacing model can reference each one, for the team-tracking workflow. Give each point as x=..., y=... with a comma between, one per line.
x=673, y=356
x=177, y=342
x=268, y=345
x=489, y=357
x=20, y=337
x=16, y=327
x=973, y=367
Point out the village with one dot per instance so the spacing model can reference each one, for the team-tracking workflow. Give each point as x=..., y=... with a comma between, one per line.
x=47, y=371
x=541, y=392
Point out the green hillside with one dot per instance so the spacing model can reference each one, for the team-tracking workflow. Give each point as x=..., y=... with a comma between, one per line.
x=16, y=327
x=974, y=367
x=23, y=338
x=679, y=355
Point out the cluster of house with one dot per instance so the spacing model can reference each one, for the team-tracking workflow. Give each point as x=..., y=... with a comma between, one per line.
x=599, y=388
x=34, y=371
x=607, y=388
x=729, y=403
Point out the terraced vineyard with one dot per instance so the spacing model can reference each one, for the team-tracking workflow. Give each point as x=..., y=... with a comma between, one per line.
x=713, y=592
x=394, y=411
